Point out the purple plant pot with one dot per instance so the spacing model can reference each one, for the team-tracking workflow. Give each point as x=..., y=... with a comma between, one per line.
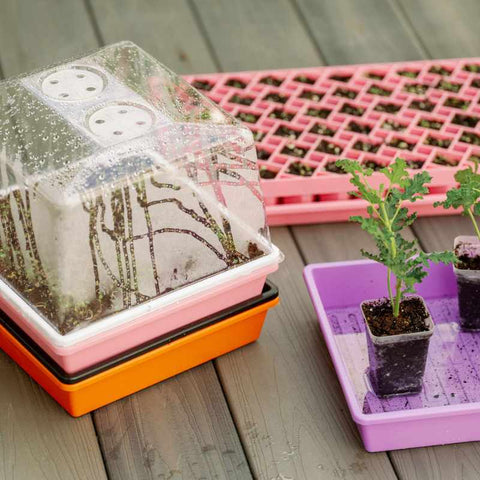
x=397, y=362
x=468, y=282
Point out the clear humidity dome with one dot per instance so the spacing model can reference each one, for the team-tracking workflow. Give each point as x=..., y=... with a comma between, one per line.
x=119, y=184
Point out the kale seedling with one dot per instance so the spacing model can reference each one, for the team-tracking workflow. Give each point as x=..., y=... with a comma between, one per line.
x=467, y=195
x=386, y=219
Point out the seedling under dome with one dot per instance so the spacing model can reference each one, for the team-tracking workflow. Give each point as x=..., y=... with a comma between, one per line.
x=123, y=190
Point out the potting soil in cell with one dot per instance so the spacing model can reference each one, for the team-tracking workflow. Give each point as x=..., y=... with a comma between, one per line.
x=452, y=374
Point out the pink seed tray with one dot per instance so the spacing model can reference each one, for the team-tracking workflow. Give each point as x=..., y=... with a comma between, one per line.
x=106, y=338
x=304, y=119
x=448, y=408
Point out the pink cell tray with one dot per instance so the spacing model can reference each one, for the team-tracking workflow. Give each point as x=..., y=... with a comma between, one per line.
x=304, y=119
x=448, y=408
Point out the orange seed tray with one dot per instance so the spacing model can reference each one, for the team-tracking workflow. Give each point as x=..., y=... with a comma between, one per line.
x=145, y=366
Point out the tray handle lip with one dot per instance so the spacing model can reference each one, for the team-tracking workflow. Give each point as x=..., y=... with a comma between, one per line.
x=358, y=416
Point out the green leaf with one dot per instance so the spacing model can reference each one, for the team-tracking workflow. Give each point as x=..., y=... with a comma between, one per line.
x=387, y=218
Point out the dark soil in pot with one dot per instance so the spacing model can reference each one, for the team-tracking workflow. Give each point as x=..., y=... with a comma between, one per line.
x=465, y=120
x=397, y=347
x=329, y=147
x=432, y=124
x=366, y=146
x=444, y=161
x=377, y=90
x=274, y=82
x=341, y=78
x=332, y=167
x=424, y=105
x=294, y=151
x=414, y=164
x=408, y=73
x=299, y=168
x=266, y=174
x=467, y=270
x=318, y=112
x=454, y=102
x=439, y=70
x=387, y=107
x=416, y=88
x=401, y=144
x=284, y=131
x=320, y=129
x=202, y=85
x=345, y=93
x=393, y=126
x=352, y=110
x=236, y=83
x=373, y=165
x=276, y=97
x=359, y=127
x=311, y=95
x=470, y=137
x=437, y=142
x=241, y=100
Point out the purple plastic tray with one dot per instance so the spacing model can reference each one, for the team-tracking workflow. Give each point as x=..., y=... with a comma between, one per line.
x=448, y=408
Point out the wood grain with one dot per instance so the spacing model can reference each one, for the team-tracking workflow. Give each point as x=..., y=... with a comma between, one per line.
x=445, y=29
x=38, y=439
x=348, y=31
x=38, y=33
x=285, y=397
x=167, y=30
x=178, y=429
x=251, y=35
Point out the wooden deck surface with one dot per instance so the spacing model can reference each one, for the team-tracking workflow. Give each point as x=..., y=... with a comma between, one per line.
x=272, y=410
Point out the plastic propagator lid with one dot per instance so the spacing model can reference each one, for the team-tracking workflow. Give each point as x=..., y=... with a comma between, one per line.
x=120, y=183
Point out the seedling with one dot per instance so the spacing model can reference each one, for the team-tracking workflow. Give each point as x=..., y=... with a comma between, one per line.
x=467, y=195
x=386, y=219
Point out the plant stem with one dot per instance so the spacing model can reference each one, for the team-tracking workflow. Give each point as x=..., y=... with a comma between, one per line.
x=398, y=298
x=389, y=283
x=475, y=225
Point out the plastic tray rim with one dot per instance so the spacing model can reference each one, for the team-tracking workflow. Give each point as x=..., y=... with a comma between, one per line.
x=46, y=330
x=343, y=377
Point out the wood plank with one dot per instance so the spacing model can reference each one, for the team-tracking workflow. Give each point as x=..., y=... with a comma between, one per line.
x=445, y=29
x=181, y=428
x=282, y=390
x=359, y=32
x=285, y=397
x=35, y=34
x=189, y=410
x=459, y=461
x=49, y=445
x=253, y=35
x=38, y=440
x=168, y=31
